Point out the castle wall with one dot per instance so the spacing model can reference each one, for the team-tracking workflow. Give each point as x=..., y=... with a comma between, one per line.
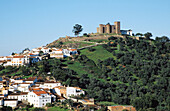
x=109, y=28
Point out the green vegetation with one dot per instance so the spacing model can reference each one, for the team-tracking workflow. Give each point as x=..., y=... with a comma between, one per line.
x=74, y=44
x=100, y=53
x=124, y=71
x=98, y=40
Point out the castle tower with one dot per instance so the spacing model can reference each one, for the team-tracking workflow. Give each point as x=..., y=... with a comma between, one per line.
x=117, y=27
x=97, y=29
x=108, y=28
x=101, y=28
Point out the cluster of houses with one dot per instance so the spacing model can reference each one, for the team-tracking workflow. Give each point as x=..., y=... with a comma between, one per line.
x=15, y=91
x=35, y=55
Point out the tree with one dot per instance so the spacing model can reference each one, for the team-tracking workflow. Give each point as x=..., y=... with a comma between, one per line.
x=13, y=53
x=41, y=53
x=139, y=34
x=163, y=39
x=148, y=35
x=77, y=29
x=85, y=35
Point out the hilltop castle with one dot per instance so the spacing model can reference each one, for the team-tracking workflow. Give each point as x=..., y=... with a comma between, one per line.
x=109, y=29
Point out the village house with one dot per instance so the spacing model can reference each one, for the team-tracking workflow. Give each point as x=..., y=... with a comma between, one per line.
x=31, y=80
x=74, y=91
x=45, y=50
x=19, y=60
x=51, y=84
x=61, y=91
x=24, y=87
x=11, y=102
x=23, y=96
x=39, y=98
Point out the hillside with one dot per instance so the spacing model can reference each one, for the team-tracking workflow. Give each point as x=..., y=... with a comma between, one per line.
x=121, y=71
x=81, y=41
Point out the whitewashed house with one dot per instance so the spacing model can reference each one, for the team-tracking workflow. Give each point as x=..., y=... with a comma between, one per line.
x=51, y=84
x=10, y=102
x=19, y=60
x=45, y=50
x=23, y=96
x=126, y=32
x=66, y=52
x=61, y=91
x=39, y=98
x=31, y=80
x=24, y=87
x=74, y=91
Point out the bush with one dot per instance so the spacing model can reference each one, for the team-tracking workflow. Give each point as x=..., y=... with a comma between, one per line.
x=85, y=35
x=49, y=105
x=112, y=38
x=91, y=49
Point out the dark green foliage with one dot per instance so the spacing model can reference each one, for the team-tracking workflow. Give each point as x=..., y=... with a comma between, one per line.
x=139, y=34
x=137, y=75
x=148, y=35
x=77, y=29
x=112, y=38
x=91, y=49
x=85, y=35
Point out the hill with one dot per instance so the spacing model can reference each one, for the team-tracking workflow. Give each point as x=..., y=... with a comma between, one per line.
x=81, y=41
x=122, y=71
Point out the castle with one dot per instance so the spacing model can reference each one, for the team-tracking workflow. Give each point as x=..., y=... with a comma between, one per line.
x=112, y=29
x=109, y=28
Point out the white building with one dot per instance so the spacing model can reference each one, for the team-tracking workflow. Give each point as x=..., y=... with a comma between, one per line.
x=10, y=102
x=57, y=51
x=24, y=87
x=126, y=32
x=19, y=60
x=31, y=80
x=74, y=91
x=39, y=98
x=17, y=81
x=23, y=96
x=66, y=52
x=51, y=84
x=61, y=91
x=45, y=50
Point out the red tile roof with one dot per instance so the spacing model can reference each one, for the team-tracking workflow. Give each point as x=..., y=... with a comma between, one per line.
x=18, y=56
x=38, y=93
x=73, y=49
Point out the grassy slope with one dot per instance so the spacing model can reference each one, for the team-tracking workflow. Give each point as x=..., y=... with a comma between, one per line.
x=99, y=53
x=77, y=67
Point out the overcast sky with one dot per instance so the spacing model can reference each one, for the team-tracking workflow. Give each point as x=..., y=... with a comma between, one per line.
x=34, y=23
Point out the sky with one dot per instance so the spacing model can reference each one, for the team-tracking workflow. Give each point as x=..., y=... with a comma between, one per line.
x=34, y=23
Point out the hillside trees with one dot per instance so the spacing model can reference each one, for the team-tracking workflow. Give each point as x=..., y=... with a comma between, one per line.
x=137, y=74
x=148, y=35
